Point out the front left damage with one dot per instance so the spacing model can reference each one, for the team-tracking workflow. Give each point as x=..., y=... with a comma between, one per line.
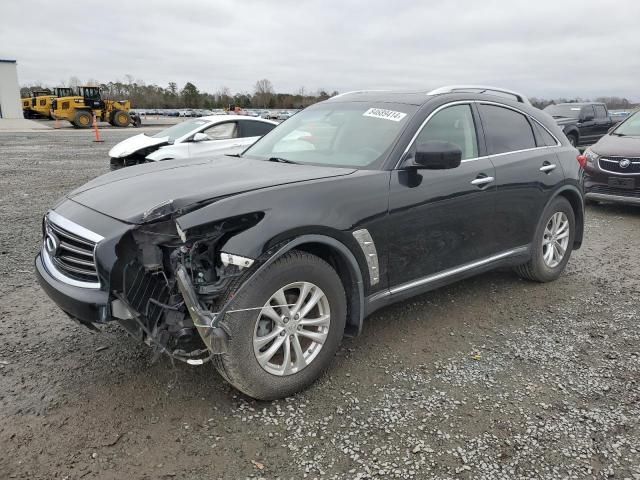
x=173, y=289
x=163, y=288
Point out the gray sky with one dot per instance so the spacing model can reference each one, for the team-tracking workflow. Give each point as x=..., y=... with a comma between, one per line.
x=544, y=48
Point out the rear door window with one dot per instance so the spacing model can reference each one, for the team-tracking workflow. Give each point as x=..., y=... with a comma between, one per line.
x=506, y=130
x=601, y=112
x=254, y=128
x=588, y=111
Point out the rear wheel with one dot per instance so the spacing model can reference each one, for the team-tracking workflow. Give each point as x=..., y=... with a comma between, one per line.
x=82, y=119
x=120, y=118
x=292, y=326
x=552, y=244
x=573, y=139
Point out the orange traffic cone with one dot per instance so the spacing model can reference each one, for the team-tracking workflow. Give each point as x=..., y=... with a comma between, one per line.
x=95, y=129
x=57, y=121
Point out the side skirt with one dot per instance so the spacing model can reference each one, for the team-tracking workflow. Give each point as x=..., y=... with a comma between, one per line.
x=406, y=290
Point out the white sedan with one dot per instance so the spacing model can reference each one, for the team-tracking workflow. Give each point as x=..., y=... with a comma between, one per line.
x=191, y=138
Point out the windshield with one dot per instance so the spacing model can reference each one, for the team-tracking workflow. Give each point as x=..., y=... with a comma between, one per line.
x=180, y=129
x=568, y=111
x=354, y=135
x=630, y=127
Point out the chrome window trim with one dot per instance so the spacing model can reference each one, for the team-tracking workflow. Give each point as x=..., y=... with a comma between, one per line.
x=469, y=102
x=450, y=272
x=80, y=231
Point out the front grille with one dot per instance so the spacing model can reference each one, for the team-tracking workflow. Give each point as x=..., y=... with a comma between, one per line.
x=71, y=254
x=612, y=164
x=614, y=191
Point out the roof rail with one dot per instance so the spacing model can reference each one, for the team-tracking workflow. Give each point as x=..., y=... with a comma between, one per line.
x=479, y=89
x=357, y=91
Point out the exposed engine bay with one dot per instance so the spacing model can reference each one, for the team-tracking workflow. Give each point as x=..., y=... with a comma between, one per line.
x=151, y=303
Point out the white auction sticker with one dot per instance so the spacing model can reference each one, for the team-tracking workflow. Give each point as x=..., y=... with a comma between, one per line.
x=385, y=114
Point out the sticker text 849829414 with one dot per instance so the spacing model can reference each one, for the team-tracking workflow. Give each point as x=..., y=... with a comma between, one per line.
x=384, y=114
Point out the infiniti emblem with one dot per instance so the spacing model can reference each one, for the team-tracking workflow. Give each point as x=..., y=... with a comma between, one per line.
x=51, y=243
x=624, y=163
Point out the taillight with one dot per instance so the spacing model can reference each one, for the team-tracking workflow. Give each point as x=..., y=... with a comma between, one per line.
x=582, y=160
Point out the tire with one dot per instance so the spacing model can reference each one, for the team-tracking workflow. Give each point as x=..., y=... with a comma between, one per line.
x=240, y=365
x=538, y=269
x=120, y=118
x=116, y=164
x=82, y=119
x=573, y=140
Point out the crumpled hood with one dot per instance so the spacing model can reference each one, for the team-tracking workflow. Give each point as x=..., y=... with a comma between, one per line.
x=127, y=194
x=135, y=143
x=616, y=146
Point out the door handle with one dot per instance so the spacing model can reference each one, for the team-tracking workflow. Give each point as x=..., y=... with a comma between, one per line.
x=479, y=181
x=548, y=167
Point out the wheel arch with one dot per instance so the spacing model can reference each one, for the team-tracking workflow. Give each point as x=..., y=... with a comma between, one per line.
x=573, y=130
x=340, y=257
x=576, y=200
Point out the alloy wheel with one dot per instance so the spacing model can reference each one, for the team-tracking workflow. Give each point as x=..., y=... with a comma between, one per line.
x=555, y=239
x=291, y=328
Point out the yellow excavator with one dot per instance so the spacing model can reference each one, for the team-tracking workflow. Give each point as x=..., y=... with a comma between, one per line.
x=80, y=108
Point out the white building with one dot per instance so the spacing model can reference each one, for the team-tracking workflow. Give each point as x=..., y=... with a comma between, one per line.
x=10, y=105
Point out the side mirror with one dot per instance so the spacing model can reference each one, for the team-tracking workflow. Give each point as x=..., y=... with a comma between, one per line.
x=200, y=137
x=587, y=117
x=435, y=155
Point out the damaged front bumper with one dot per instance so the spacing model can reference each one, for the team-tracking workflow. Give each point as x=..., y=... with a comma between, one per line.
x=157, y=284
x=84, y=305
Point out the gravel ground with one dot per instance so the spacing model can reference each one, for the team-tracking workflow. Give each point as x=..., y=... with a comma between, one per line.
x=491, y=378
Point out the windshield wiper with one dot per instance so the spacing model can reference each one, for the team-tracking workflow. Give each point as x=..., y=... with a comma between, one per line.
x=281, y=160
x=619, y=134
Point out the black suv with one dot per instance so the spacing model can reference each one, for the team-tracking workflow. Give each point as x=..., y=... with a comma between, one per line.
x=582, y=123
x=261, y=263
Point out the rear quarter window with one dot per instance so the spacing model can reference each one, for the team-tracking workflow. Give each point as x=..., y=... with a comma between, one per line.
x=544, y=138
x=254, y=129
x=506, y=130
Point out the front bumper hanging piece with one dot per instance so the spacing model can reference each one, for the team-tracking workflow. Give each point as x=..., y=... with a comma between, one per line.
x=215, y=338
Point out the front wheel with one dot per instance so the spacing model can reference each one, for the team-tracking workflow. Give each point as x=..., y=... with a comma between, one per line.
x=82, y=119
x=285, y=329
x=120, y=118
x=573, y=140
x=552, y=244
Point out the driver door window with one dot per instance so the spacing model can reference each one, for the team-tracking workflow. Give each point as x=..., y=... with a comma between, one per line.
x=222, y=131
x=453, y=125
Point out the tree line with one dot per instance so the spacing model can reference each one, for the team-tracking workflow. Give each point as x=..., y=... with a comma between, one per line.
x=144, y=95
x=262, y=96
